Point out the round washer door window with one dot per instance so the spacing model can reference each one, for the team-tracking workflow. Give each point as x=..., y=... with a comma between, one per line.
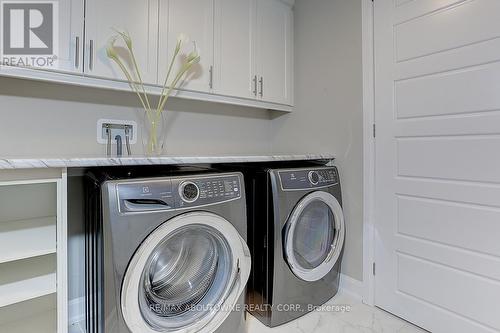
x=185, y=276
x=314, y=236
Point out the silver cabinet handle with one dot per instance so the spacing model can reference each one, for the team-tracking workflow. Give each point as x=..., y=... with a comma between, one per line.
x=211, y=81
x=261, y=81
x=255, y=85
x=91, y=57
x=77, y=52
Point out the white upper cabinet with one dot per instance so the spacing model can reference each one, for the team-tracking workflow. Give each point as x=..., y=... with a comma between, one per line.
x=68, y=33
x=274, y=47
x=70, y=56
x=246, y=47
x=137, y=17
x=234, y=69
x=254, y=50
x=195, y=18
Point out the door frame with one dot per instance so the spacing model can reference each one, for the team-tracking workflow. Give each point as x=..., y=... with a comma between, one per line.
x=369, y=135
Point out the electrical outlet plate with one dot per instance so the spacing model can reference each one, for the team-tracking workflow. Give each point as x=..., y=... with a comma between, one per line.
x=117, y=128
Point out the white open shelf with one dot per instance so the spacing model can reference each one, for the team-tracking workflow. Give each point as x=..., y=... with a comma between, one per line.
x=37, y=315
x=27, y=238
x=33, y=296
x=27, y=279
x=27, y=201
x=44, y=322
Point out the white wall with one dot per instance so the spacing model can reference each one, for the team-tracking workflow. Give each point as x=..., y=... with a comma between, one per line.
x=44, y=119
x=328, y=115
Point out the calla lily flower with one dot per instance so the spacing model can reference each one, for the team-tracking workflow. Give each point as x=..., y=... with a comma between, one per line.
x=126, y=38
x=193, y=58
x=138, y=86
x=181, y=40
x=110, y=49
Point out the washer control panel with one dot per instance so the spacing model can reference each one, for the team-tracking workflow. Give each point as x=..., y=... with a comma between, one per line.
x=301, y=179
x=177, y=193
x=215, y=189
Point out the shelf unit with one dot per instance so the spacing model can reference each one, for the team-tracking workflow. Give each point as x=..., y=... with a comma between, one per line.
x=33, y=295
x=27, y=279
x=37, y=315
x=39, y=233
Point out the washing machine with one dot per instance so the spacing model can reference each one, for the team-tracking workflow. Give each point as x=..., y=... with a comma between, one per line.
x=296, y=236
x=166, y=254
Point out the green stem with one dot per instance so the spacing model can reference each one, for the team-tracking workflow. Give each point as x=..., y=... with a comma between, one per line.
x=173, y=85
x=160, y=101
x=153, y=143
x=130, y=82
x=140, y=78
x=124, y=37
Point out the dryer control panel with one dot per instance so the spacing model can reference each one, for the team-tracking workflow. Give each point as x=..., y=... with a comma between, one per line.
x=301, y=179
x=177, y=193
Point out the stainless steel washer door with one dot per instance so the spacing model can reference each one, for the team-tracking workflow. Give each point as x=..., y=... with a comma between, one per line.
x=314, y=236
x=186, y=276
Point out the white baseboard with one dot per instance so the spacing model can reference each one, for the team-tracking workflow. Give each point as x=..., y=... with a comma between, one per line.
x=352, y=287
x=76, y=311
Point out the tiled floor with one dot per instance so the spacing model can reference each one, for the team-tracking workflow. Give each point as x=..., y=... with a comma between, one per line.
x=357, y=318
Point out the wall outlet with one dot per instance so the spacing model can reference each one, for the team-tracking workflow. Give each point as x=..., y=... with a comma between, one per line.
x=117, y=127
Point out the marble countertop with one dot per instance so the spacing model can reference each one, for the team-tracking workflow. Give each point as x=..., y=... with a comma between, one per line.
x=38, y=163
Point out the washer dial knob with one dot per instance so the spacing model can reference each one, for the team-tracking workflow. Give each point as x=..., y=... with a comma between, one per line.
x=313, y=177
x=189, y=192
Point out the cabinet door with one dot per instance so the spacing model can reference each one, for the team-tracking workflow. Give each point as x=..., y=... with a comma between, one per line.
x=194, y=18
x=137, y=17
x=71, y=21
x=234, y=69
x=68, y=33
x=275, y=51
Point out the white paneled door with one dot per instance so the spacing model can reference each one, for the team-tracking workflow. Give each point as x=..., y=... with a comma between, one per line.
x=437, y=69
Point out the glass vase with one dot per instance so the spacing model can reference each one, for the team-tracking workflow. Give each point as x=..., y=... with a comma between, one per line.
x=153, y=133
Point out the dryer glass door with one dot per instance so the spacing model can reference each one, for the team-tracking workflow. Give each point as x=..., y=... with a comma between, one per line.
x=185, y=276
x=315, y=235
